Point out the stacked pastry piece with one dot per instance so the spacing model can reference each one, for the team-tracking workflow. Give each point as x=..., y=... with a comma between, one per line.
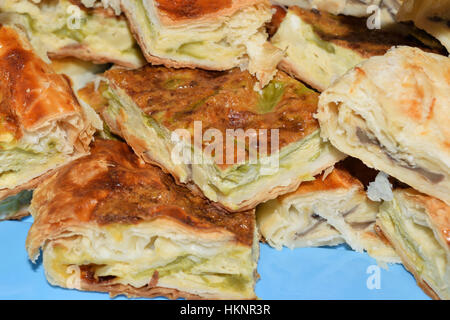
x=389, y=112
x=207, y=143
x=43, y=126
x=392, y=113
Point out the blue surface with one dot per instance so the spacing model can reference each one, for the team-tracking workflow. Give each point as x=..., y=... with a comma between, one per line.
x=307, y=273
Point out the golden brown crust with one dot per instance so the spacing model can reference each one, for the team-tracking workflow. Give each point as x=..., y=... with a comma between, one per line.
x=33, y=94
x=144, y=292
x=337, y=179
x=178, y=12
x=92, y=95
x=113, y=186
x=277, y=19
x=420, y=282
x=176, y=98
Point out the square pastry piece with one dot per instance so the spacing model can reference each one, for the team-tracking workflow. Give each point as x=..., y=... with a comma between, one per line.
x=320, y=47
x=325, y=212
x=42, y=125
x=418, y=226
x=213, y=35
x=110, y=222
x=211, y=130
x=393, y=113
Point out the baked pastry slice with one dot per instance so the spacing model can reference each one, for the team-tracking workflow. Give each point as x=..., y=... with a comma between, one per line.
x=212, y=131
x=66, y=28
x=327, y=211
x=418, y=227
x=43, y=127
x=392, y=112
x=431, y=16
x=109, y=222
x=213, y=35
x=320, y=47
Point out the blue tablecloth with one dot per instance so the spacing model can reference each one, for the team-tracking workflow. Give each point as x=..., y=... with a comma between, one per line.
x=307, y=273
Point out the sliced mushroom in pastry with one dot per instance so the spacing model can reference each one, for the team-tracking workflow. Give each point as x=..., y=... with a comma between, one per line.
x=392, y=112
x=327, y=211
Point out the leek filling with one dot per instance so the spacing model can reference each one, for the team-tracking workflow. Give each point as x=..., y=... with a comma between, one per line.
x=135, y=258
x=417, y=241
x=59, y=25
x=213, y=181
x=32, y=155
x=14, y=204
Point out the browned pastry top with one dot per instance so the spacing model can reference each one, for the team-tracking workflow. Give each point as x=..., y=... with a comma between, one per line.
x=337, y=179
x=182, y=11
x=191, y=8
x=176, y=98
x=353, y=33
x=30, y=92
x=112, y=185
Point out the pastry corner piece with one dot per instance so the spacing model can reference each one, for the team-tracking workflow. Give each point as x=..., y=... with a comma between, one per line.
x=392, y=112
x=67, y=28
x=418, y=227
x=43, y=126
x=431, y=16
x=110, y=222
x=213, y=35
x=328, y=211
